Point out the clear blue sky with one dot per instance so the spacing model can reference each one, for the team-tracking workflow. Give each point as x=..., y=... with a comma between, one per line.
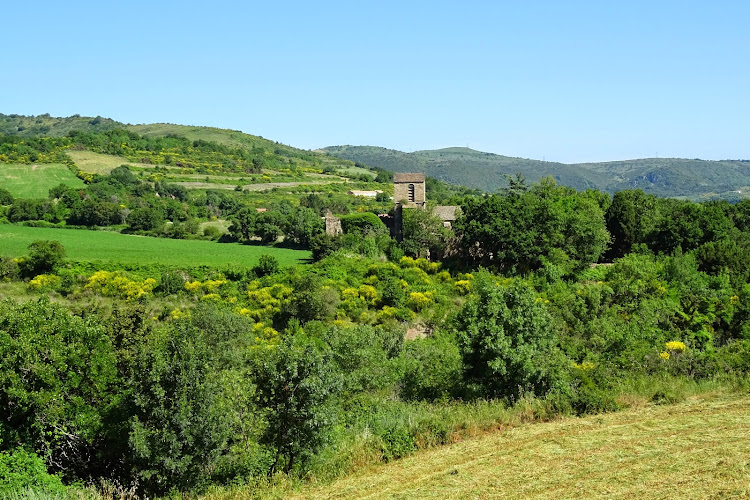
x=560, y=80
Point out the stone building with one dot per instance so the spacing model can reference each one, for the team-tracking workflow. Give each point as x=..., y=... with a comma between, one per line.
x=409, y=190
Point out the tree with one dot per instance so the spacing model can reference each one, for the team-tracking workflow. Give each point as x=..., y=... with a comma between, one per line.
x=629, y=219
x=517, y=232
x=423, y=233
x=303, y=225
x=295, y=383
x=145, y=219
x=506, y=340
x=180, y=425
x=58, y=381
x=6, y=198
x=44, y=256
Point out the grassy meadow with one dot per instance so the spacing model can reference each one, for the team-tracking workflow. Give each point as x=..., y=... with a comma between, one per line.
x=695, y=449
x=103, y=246
x=97, y=163
x=35, y=181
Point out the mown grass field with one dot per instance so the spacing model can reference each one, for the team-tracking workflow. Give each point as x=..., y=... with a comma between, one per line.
x=100, y=246
x=699, y=448
x=35, y=181
x=97, y=163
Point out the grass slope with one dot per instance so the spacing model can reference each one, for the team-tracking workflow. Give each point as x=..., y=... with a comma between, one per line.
x=695, y=449
x=102, y=246
x=691, y=178
x=97, y=163
x=35, y=181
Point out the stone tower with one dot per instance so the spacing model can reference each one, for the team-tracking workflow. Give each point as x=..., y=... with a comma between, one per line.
x=409, y=190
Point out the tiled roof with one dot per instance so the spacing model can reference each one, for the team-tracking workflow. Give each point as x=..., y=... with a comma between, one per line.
x=400, y=177
x=447, y=212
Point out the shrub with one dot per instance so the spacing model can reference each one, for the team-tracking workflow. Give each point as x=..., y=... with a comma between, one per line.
x=21, y=470
x=44, y=256
x=506, y=340
x=432, y=368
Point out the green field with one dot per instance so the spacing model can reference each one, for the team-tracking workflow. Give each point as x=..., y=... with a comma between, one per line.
x=99, y=246
x=35, y=181
x=97, y=163
x=696, y=449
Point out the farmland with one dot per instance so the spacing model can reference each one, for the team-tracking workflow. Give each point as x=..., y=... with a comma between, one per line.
x=35, y=181
x=103, y=246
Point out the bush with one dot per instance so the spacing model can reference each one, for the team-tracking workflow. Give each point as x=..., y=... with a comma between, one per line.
x=22, y=470
x=44, y=256
x=507, y=341
x=432, y=368
x=267, y=265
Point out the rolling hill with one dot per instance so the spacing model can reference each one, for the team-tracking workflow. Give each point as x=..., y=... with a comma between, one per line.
x=668, y=177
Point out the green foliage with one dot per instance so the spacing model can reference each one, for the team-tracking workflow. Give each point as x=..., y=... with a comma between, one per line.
x=363, y=224
x=6, y=198
x=311, y=300
x=517, y=231
x=21, y=470
x=267, y=265
x=432, y=369
x=367, y=357
x=145, y=219
x=180, y=424
x=423, y=234
x=630, y=218
x=506, y=340
x=44, y=256
x=57, y=382
x=295, y=382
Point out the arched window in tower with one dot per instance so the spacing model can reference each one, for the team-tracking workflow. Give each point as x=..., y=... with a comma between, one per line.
x=411, y=193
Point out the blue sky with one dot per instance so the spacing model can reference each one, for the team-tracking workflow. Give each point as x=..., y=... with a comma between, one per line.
x=557, y=80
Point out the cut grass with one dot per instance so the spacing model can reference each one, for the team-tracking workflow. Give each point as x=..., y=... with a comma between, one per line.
x=695, y=449
x=104, y=246
x=97, y=163
x=35, y=181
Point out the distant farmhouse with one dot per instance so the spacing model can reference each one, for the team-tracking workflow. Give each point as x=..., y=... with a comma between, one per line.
x=409, y=192
x=366, y=194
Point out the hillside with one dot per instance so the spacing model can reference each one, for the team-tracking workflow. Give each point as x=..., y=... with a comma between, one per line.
x=696, y=449
x=668, y=177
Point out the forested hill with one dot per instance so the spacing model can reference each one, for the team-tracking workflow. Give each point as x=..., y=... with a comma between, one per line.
x=669, y=177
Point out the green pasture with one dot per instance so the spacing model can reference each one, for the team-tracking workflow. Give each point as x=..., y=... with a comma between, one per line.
x=97, y=163
x=35, y=181
x=100, y=246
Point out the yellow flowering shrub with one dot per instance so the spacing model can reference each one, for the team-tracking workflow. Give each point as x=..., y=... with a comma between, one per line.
x=265, y=334
x=675, y=346
x=368, y=293
x=463, y=286
x=584, y=366
x=664, y=355
x=417, y=301
x=193, y=286
x=44, y=281
x=116, y=284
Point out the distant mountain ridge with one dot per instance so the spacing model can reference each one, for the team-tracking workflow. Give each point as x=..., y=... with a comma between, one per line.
x=668, y=177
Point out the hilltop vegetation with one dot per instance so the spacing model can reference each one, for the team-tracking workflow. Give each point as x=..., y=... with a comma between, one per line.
x=667, y=177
